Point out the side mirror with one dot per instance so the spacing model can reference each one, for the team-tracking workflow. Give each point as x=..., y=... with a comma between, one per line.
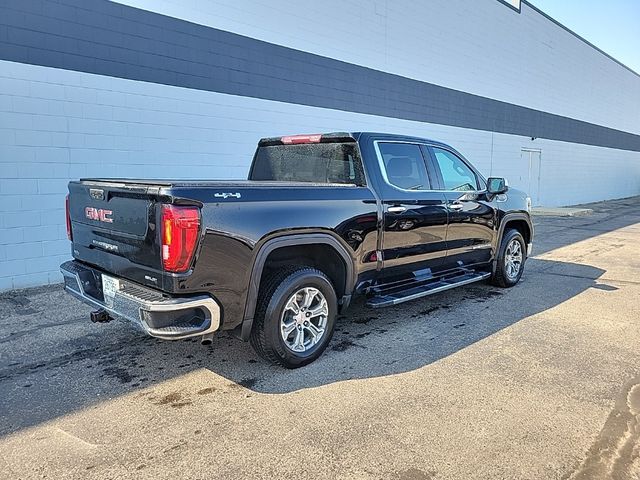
x=497, y=185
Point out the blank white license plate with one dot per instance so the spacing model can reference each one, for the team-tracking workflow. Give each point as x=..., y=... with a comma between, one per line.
x=110, y=286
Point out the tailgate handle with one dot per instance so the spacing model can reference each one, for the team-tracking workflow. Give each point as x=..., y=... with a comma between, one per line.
x=96, y=193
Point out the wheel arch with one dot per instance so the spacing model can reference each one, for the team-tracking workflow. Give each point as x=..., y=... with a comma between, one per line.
x=519, y=221
x=303, y=246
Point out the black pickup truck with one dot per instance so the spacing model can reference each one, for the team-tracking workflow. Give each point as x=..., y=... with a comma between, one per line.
x=276, y=257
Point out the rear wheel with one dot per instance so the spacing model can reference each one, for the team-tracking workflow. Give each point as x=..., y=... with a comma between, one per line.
x=295, y=316
x=510, y=261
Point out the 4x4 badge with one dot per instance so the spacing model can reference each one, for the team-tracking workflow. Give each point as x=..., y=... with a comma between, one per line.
x=227, y=195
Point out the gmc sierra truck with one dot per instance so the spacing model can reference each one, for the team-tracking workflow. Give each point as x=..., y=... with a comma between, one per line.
x=275, y=258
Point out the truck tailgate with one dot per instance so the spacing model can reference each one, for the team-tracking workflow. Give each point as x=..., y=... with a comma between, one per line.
x=114, y=225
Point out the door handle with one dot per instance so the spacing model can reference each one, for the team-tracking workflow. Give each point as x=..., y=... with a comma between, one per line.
x=456, y=206
x=396, y=209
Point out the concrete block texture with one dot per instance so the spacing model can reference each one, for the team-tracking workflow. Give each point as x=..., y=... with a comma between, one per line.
x=119, y=41
x=483, y=47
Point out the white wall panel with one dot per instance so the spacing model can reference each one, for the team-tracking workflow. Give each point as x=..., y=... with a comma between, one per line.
x=60, y=125
x=481, y=47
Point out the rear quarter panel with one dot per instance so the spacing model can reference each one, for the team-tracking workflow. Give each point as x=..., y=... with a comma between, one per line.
x=234, y=229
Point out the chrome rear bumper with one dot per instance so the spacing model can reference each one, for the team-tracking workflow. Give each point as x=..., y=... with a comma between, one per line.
x=161, y=316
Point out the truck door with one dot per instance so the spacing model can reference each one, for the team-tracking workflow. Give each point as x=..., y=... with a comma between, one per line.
x=414, y=215
x=471, y=228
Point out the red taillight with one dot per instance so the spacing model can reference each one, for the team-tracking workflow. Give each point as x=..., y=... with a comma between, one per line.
x=68, y=214
x=180, y=229
x=295, y=139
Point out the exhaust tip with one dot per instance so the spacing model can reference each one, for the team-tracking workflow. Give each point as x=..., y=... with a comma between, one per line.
x=207, y=339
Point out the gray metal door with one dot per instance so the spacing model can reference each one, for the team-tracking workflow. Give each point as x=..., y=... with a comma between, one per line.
x=532, y=162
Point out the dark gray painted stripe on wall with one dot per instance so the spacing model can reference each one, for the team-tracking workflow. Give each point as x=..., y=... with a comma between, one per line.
x=106, y=38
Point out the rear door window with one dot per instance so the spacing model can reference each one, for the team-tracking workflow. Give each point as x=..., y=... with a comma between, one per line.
x=404, y=166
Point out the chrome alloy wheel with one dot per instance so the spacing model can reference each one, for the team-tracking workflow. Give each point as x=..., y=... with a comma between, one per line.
x=513, y=259
x=304, y=319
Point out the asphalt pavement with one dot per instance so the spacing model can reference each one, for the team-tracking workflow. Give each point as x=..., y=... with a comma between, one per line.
x=541, y=381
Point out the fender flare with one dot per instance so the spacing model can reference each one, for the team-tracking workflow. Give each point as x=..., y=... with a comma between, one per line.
x=515, y=216
x=506, y=219
x=286, y=241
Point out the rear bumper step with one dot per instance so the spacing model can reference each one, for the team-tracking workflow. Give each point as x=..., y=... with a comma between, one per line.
x=169, y=318
x=394, y=296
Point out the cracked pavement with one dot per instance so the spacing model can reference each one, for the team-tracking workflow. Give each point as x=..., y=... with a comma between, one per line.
x=539, y=381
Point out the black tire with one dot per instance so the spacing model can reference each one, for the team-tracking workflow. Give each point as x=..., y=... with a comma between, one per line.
x=501, y=276
x=277, y=289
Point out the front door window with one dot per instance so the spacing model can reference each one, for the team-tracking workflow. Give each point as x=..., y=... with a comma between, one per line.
x=457, y=176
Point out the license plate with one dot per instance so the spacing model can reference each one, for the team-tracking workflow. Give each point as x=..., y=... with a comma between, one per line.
x=110, y=286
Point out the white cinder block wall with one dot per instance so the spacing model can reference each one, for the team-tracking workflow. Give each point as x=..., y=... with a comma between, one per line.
x=58, y=124
x=480, y=47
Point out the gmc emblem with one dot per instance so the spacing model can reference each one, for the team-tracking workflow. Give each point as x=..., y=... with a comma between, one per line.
x=98, y=214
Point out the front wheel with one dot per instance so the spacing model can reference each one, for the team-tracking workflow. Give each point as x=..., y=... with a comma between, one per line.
x=510, y=261
x=295, y=317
